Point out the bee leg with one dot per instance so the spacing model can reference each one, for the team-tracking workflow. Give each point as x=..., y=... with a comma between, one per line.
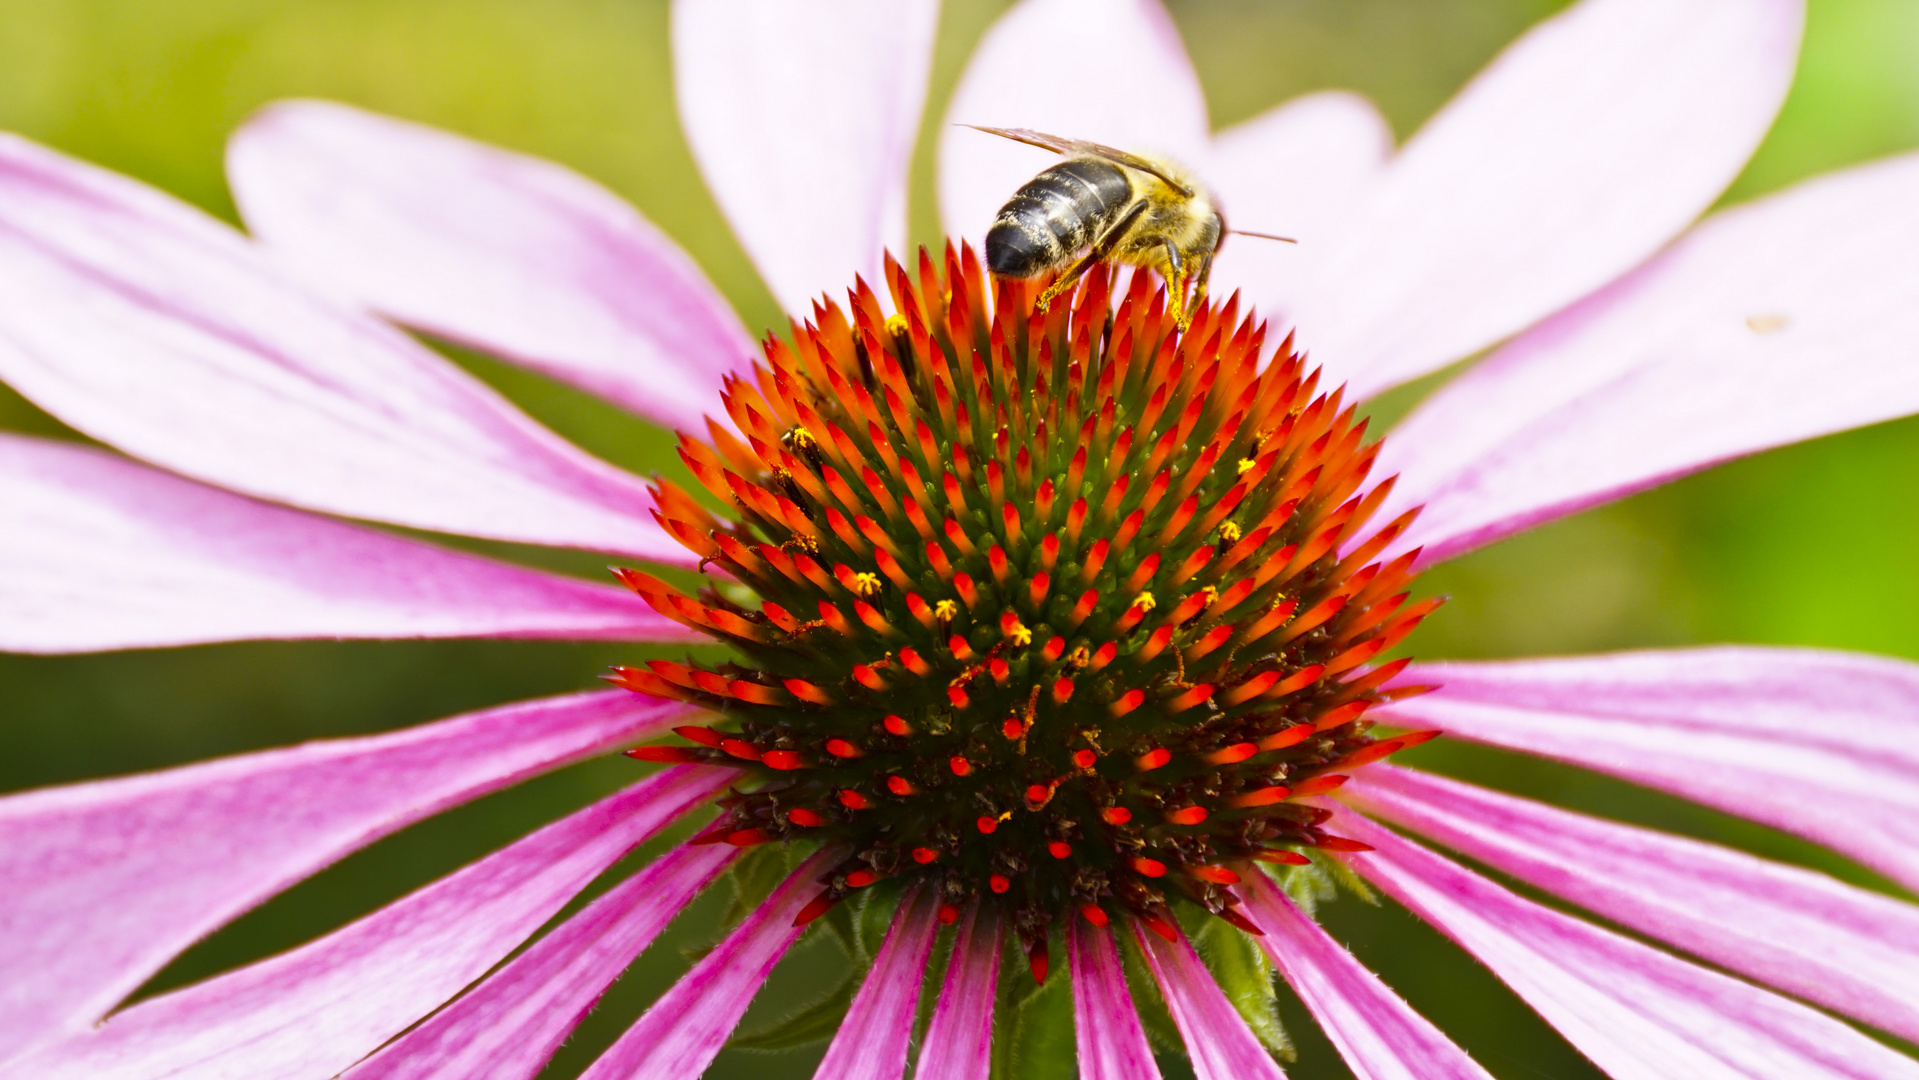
x=1200, y=278
x=1176, y=285
x=1101, y=248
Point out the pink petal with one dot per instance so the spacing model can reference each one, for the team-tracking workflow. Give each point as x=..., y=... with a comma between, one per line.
x=1218, y=1042
x=1822, y=744
x=1016, y=79
x=97, y=552
x=1580, y=150
x=509, y=1025
x=1106, y=1029
x=802, y=118
x=1781, y=320
x=496, y=250
x=871, y=1041
x=316, y=1010
x=1299, y=169
x=1635, y=1011
x=102, y=883
x=1843, y=947
x=959, y=1041
x=1378, y=1034
x=679, y=1036
x=149, y=325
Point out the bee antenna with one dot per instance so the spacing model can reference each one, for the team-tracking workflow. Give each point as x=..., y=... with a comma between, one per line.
x=1263, y=236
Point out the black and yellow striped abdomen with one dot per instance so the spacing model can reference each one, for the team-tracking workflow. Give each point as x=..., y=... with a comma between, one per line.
x=1055, y=215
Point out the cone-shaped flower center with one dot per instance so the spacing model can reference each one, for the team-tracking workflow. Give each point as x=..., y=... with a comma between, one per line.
x=1064, y=609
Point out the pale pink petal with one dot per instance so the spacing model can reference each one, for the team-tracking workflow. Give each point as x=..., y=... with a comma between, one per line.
x=151, y=326
x=1842, y=947
x=1638, y=1013
x=496, y=250
x=1299, y=169
x=98, y=552
x=678, y=1037
x=802, y=118
x=871, y=1041
x=1581, y=149
x=1218, y=1042
x=102, y=883
x=1378, y=1034
x=1058, y=66
x=1106, y=1029
x=509, y=1025
x=959, y=1041
x=1823, y=744
x=1781, y=320
x=316, y=1010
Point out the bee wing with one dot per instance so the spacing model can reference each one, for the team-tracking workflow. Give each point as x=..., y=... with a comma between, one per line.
x=1078, y=147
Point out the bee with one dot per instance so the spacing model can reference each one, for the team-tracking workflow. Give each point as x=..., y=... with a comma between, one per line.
x=1108, y=204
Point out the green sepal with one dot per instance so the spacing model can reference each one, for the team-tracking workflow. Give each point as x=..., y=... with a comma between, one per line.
x=1241, y=969
x=810, y=1024
x=1033, y=1025
x=1160, y=1029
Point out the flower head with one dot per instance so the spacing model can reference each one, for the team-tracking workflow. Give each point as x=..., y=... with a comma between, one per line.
x=1060, y=628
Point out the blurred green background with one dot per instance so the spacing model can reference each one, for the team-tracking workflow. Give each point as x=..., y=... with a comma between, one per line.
x=1810, y=545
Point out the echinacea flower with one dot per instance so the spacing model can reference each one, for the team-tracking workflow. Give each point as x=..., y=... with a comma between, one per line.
x=1058, y=628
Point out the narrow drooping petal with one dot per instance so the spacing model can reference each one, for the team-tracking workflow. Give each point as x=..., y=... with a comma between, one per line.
x=1378, y=1034
x=314, y=1011
x=1777, y=321
x=1823, y=744
x=148, y=325
x=1842, y=947
x=679, y=1036
x=1586, y=145
x=802, y=118
x=871, y=1042
x=1638, y=1013
x=1106, y=1029
x=496, y=250
x=1017, y=79
x=99, y=552
x=959, y=1041
x=102, y=883
x=508, y=1026
x=1218, y=1041
x=1299, y=169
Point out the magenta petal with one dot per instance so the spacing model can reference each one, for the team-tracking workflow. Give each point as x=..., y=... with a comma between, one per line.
x=318, y=1009
x=1015, y=79
x=959, y=1041
x=802, y=118
x=1842, y=947
x=496, y=250
x=1106, y=1029
x=1218, y=1042
x=508, y=1026
x=102, y=883
x=1776, y=321
x=1299, y=169
x=1578, y=152
x=1378, y=1034
x=1635, y=1011
x=679, y=1036
x=150, y=326
x=871, y=1042
x=1823, y=744
x=98, y=552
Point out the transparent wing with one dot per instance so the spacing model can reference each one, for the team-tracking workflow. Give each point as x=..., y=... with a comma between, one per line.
x=1077, y=147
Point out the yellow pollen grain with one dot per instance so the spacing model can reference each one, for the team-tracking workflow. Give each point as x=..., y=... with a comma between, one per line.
x=1211, y=594
x=946, y=609
x=866, y=584
x=1019, y=634
x=1079, y=657
x=896, y=325
x=1229, y=532
x=1246, y=465
x=1145, y=602
x=800, y=437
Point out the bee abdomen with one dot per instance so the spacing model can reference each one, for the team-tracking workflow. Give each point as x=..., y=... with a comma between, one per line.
x=1054, y=215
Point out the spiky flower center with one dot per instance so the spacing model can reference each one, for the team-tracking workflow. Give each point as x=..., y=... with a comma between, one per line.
x=1063, y=609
